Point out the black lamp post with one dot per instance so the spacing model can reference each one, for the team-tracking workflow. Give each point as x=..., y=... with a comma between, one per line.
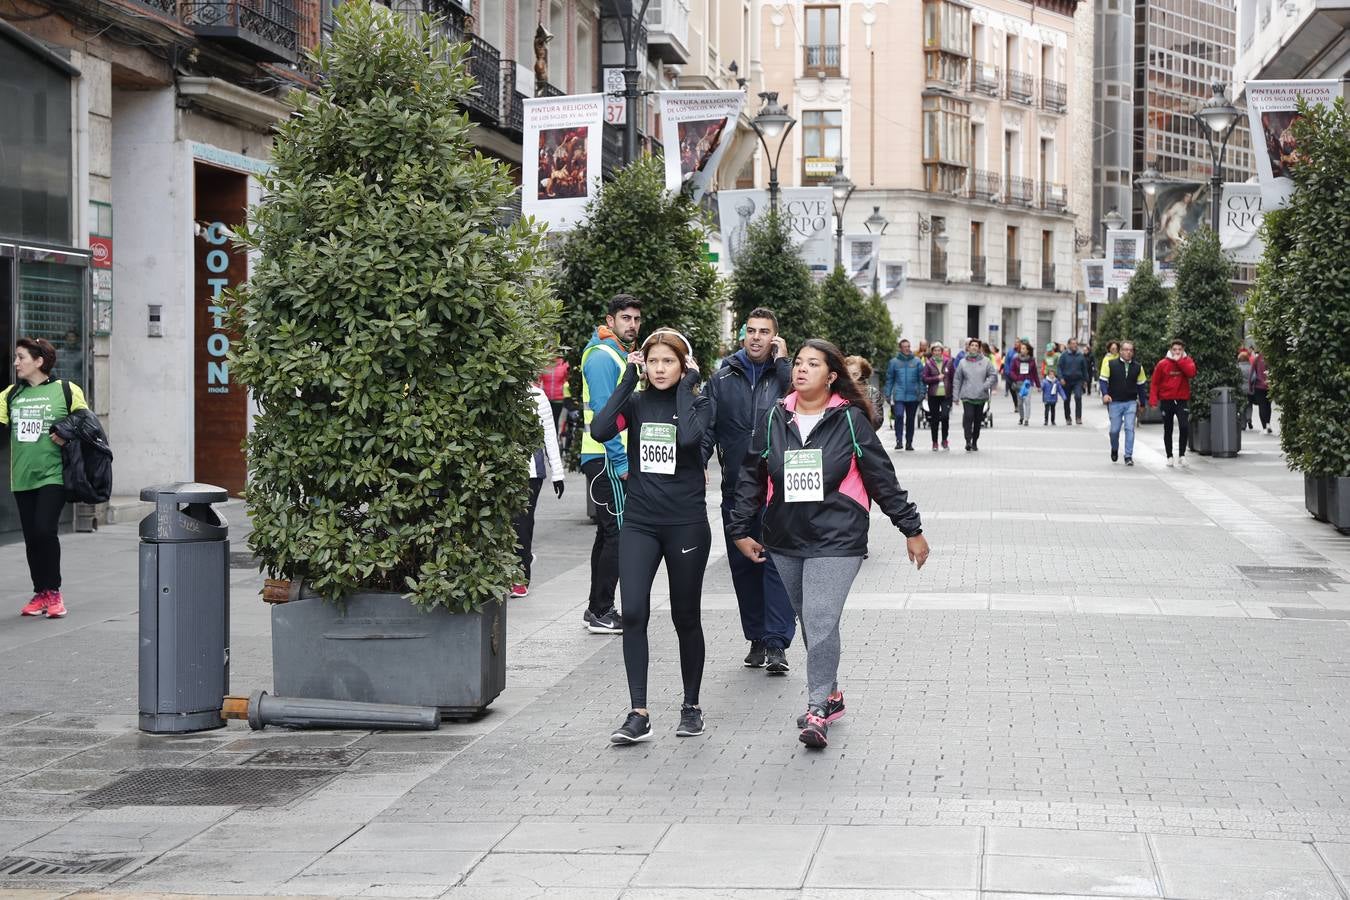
x=841, y=188
x=1148, y=184
x=772, y=123
x=876, y=224
x=628, y=28
x=1217, y=119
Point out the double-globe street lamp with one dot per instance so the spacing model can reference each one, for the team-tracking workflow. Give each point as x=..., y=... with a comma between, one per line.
x=1217, y=119
x=841, y=188
x=772, y=123
x=876, y=224
x=1148, y=184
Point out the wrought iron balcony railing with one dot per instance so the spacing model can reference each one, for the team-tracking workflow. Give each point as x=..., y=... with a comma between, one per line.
x=1054, y=95
x=1020, y=190
x=1054, y=197
x=485, y=65
x=984, y=79
x=1014, y=273
x=820, y=58
x=1048, y=276
x=1019, y=86
x=261, y=29
x=979, y=269
x=983, y=185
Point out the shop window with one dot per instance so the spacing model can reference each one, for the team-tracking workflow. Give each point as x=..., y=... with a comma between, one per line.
x=36, y=175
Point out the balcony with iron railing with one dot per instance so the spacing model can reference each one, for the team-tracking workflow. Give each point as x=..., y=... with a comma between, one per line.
x=979, y=269
x=1019, y=86
x=485, y=65
x=1054, y=95
x=167, y=8
x=1020, y=190
x=984, y=79
x=544, y=89
x=667, y=24
x=1048, y=276
x=821, y=58
x=1014, y=272
x=1054, y=197
x=983, y=185
x=937, y=264
x=265, y=30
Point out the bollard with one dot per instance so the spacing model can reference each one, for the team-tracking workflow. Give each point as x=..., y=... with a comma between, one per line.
x=262, y=710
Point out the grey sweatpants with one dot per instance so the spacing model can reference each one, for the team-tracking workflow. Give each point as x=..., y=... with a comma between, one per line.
x=817, y=588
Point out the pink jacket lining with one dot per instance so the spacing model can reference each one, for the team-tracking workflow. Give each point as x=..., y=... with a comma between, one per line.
x=852, y=485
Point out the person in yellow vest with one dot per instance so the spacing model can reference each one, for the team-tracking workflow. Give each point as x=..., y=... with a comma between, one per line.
x=30, y=408
x=605, y=465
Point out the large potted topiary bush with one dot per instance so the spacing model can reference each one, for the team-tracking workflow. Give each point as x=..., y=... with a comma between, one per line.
x=1300, y=310
x=770, y=272
x=1205, y=316
x=1144, y=310
x=389, y=332
x=857, y=323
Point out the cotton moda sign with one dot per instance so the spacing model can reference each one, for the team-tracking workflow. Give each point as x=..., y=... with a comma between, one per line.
x=696, y=127
x=1094, y=280
x=805, y=211
x=1240, y=221
x=561, y=158
x=1124, y=249
x=1272, y=110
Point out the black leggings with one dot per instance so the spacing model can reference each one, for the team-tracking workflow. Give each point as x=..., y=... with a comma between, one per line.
x=939, y=416
x=524, y=523
x=972, y=418
x=1179, y=409
x=685, y=551
x=1261, y=397
x=40, y=514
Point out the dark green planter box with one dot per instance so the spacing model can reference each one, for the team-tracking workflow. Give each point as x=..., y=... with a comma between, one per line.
x=379, y=648
x=1338, y=502
x=1317, y=496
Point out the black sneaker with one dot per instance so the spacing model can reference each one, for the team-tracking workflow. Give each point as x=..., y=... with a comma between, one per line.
x=607, y=622
x=909, y=448
x=815, y=732
x=967, y=446
x=897, y=446
x=834, y=711
x=636, y=727
x=755, y=658
x=775, y=661
x=691, y=722
x=1114, y=455
x=1128, y=461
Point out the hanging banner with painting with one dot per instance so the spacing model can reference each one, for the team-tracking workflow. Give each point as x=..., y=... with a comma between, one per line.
x=806, y=211
x=696, y=127
x=1094, y=280
x=1124, y=250
x=1181, y=207
x=561, y=158
x=1240, y=223
x=860, y=257
x=1272, y=109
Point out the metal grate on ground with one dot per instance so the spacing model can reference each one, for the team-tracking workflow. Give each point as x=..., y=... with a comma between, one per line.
x=1310, y=612
x=209, y=787
x=32, y=867
x=309, y=758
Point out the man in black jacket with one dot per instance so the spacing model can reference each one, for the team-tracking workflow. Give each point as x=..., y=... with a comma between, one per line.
x=752, y=380
x=1074, y=372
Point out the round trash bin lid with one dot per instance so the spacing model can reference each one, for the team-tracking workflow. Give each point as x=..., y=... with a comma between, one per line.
x=185, y=492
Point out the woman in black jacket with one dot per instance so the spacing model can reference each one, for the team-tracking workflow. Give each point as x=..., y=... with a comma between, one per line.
x=822, y=464
x=664, y=516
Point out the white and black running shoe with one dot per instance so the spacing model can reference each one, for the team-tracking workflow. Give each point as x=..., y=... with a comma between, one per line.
x=691, y=722
x=775, y=661
x=755, y=658
x=607, y=622
x=636, y=727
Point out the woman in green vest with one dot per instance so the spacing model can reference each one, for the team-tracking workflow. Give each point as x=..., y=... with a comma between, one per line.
x=30, y=408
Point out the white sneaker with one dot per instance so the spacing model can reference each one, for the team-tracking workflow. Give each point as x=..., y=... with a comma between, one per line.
x=1169, y=462
x=1181, y=461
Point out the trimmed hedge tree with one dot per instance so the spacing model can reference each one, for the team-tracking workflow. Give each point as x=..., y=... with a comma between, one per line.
x=770, y=272
x=1300, y=303
x=857, y=324
x=389, y=331
x=1205, y=316
x=1146, y=306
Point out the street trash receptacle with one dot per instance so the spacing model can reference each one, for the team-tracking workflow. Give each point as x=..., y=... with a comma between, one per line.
x=1223, y=423
x=184, y=609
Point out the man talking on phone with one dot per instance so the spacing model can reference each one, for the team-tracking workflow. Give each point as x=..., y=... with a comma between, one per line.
x=752, y=380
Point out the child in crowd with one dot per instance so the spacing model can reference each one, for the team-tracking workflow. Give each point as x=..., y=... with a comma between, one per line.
x=1024, y=402
x=1051, y=392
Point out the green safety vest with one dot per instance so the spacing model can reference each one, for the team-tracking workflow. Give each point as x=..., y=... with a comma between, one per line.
x=589, y=445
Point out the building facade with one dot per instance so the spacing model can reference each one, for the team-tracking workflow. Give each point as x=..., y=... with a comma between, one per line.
x=967, y=127
x=1292, y=39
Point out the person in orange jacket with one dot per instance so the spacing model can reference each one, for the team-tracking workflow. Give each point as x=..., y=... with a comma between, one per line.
x=1171, y=390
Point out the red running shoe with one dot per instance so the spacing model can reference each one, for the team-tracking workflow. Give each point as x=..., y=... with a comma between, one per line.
x=38, y=605
x=56, y=609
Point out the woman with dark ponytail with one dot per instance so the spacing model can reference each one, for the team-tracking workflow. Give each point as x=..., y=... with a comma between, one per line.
x=820, y=463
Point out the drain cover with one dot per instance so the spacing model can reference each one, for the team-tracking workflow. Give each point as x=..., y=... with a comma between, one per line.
x=316, y=758
x=1311, y=574
x=1310, y=612
x=208, y=787
x=243, y=560
x=31, y=866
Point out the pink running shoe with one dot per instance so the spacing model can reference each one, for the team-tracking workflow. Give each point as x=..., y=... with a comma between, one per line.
x=814, y=734
x=38, y=605
x=56, y=609
x=520, y=590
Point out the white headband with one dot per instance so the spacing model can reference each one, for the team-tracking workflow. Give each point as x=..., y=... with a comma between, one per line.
x=689, y=348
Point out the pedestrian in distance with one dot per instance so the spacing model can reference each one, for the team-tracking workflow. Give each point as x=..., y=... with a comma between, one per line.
x=1244, y=365
x=31, y=408
x=860, y=370
x=1010, y=385
x=820, y=464
x=755, y=378
x=903, y=389
x=605, y=464
x=1170, y=390
x=1260, y=389
x=1050, y=362
x=1123, y=386
x=975, y=380
x=1074, y=373
x=1024, y=372
x=937, y=375
x=665, y=517
x=1051, y=393
x=546, y=450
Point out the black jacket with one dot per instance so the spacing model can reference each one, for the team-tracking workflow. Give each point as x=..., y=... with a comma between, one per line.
x=1073, y=367
x=736, y=408
x=837, y=525
x=86, y=458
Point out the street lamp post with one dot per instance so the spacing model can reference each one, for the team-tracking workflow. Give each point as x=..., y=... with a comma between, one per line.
x=772, y=123
x=876, y=224
x=1148, y=184
x=1112, y=221
x=628, y=28
x=841, y=189
x=1217, y=119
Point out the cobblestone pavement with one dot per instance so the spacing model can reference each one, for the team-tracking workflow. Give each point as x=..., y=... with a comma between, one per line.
x=1107, y=682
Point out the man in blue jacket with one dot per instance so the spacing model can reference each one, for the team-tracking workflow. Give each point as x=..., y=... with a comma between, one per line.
x=1074, y=371
x=606, y=465
x=753, y=379
x=903, y=388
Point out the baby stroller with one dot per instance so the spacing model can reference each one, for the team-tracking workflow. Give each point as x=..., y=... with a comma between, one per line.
x=988, y=413
x=923, y=414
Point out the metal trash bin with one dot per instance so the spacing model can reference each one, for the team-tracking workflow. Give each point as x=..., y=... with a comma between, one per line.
x=184, y=609
x=1224, y=436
